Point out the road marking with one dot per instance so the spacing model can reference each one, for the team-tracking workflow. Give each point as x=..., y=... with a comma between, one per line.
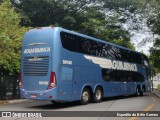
x=147, y=109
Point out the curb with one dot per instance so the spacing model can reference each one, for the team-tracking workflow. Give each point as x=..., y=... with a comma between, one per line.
x=158, y=95
x=15, y=101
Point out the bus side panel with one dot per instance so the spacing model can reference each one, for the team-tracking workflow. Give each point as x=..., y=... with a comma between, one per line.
x=114, y=89
x=77, y=82
x=65, y=83
x=65, y=91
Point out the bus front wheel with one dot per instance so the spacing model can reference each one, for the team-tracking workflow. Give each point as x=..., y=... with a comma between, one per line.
x=137, y=91
x=85, y=96
x=97, y=96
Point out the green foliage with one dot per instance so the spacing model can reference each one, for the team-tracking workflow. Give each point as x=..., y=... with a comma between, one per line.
x=158, y=88
x=10, y=39
x=155, y=56
x=130, y=5
x=47, y=12
x=76, y=15
x=154, y=16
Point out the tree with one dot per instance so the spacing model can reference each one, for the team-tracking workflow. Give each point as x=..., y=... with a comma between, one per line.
x=47, y=12
x=108, y=30
x=145, y=9
x=11, y=34
x=78, y=15
x=155, y=55
x=133, y=16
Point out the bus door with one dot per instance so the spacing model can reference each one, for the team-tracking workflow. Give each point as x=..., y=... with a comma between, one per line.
x=77, y=75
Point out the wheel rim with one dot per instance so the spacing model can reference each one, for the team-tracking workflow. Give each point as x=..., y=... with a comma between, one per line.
x=98, y=94
x=85, y=96
x=137, y=91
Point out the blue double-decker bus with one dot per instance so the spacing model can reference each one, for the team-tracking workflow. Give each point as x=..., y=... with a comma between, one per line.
x=61, y=65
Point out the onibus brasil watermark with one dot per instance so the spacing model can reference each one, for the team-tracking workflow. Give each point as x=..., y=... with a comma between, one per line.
x=79, y=114
x=21, y=114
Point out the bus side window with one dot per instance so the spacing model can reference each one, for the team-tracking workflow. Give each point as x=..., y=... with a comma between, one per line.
x=124, y=76
x=109, y=75
x=138, y=77
x=69, y=41
x=106, y=75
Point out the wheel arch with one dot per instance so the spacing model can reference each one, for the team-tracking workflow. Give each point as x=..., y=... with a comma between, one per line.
x=98, y=86
x=138, y=86
x=88, y=87
x=144, y=87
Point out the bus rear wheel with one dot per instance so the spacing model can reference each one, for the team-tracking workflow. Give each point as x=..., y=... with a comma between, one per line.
x=142, y=91
x=55, y=102
x=97, y=96
x=85, y=98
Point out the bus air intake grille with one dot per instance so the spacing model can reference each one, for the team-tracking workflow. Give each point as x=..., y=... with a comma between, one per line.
x=36, y=66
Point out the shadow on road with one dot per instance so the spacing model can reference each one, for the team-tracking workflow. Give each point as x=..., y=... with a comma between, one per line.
x=51, y=106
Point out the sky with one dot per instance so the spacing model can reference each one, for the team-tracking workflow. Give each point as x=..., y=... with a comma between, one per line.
x=136, y=25
x=141, y=35
x=137, y=40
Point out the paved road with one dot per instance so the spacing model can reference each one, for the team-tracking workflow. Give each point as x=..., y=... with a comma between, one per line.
x=148, y=102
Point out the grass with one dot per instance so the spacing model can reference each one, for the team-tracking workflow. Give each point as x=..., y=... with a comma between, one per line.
x=158, y=88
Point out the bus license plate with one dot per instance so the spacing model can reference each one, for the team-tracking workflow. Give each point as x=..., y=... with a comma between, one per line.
x=33, y=96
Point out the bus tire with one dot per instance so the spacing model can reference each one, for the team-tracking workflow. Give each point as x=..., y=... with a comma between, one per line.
x=142, y=91
x=137, y=91
x=55, y=102
x=98, y=95
x=85, y=97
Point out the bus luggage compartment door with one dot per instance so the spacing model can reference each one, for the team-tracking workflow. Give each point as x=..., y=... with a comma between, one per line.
x=77, y=82
x=65, y=83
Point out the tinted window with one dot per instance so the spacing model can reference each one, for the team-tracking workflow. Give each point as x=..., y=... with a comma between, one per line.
x=106, y=74
x=138, y=77
x=121, y=75
x=87, y=46
x=69, y=41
